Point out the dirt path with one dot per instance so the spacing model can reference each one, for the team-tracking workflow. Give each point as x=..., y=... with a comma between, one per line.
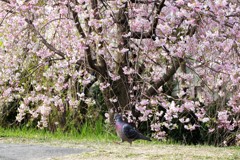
x=110, y=151
x=84, y=150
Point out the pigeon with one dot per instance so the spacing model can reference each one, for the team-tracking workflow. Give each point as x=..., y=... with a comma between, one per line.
x=126, y=132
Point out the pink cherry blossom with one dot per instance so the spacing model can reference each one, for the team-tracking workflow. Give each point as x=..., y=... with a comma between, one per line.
x=174, y=62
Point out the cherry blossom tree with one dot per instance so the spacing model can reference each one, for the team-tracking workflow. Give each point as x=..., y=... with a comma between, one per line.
x=171, y=63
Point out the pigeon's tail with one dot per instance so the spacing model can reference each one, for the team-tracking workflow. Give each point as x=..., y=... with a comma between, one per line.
x=144, y=138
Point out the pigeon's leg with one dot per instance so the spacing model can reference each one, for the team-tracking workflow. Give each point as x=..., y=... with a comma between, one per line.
x=130, y=143
x=120, y=142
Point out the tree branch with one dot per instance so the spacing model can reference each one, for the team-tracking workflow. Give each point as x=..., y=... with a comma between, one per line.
x=44, y=41
x=141, y=1
x=88, y=51
x=159, y=9
x=101, y=61
x=4, y=18
x=176, y=64
x=77, y=23
x=6, y=1
x=152, y=32
x=166, y=77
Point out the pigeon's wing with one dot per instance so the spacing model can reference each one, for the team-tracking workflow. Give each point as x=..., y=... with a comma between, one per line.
x=130, y=132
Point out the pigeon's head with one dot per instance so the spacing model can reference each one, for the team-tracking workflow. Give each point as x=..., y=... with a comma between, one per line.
x=117, y=117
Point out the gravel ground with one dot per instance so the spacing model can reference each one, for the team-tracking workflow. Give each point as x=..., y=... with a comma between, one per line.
x=27, y=149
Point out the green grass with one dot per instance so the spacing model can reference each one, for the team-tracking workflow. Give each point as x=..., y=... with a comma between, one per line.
x=88, y=132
